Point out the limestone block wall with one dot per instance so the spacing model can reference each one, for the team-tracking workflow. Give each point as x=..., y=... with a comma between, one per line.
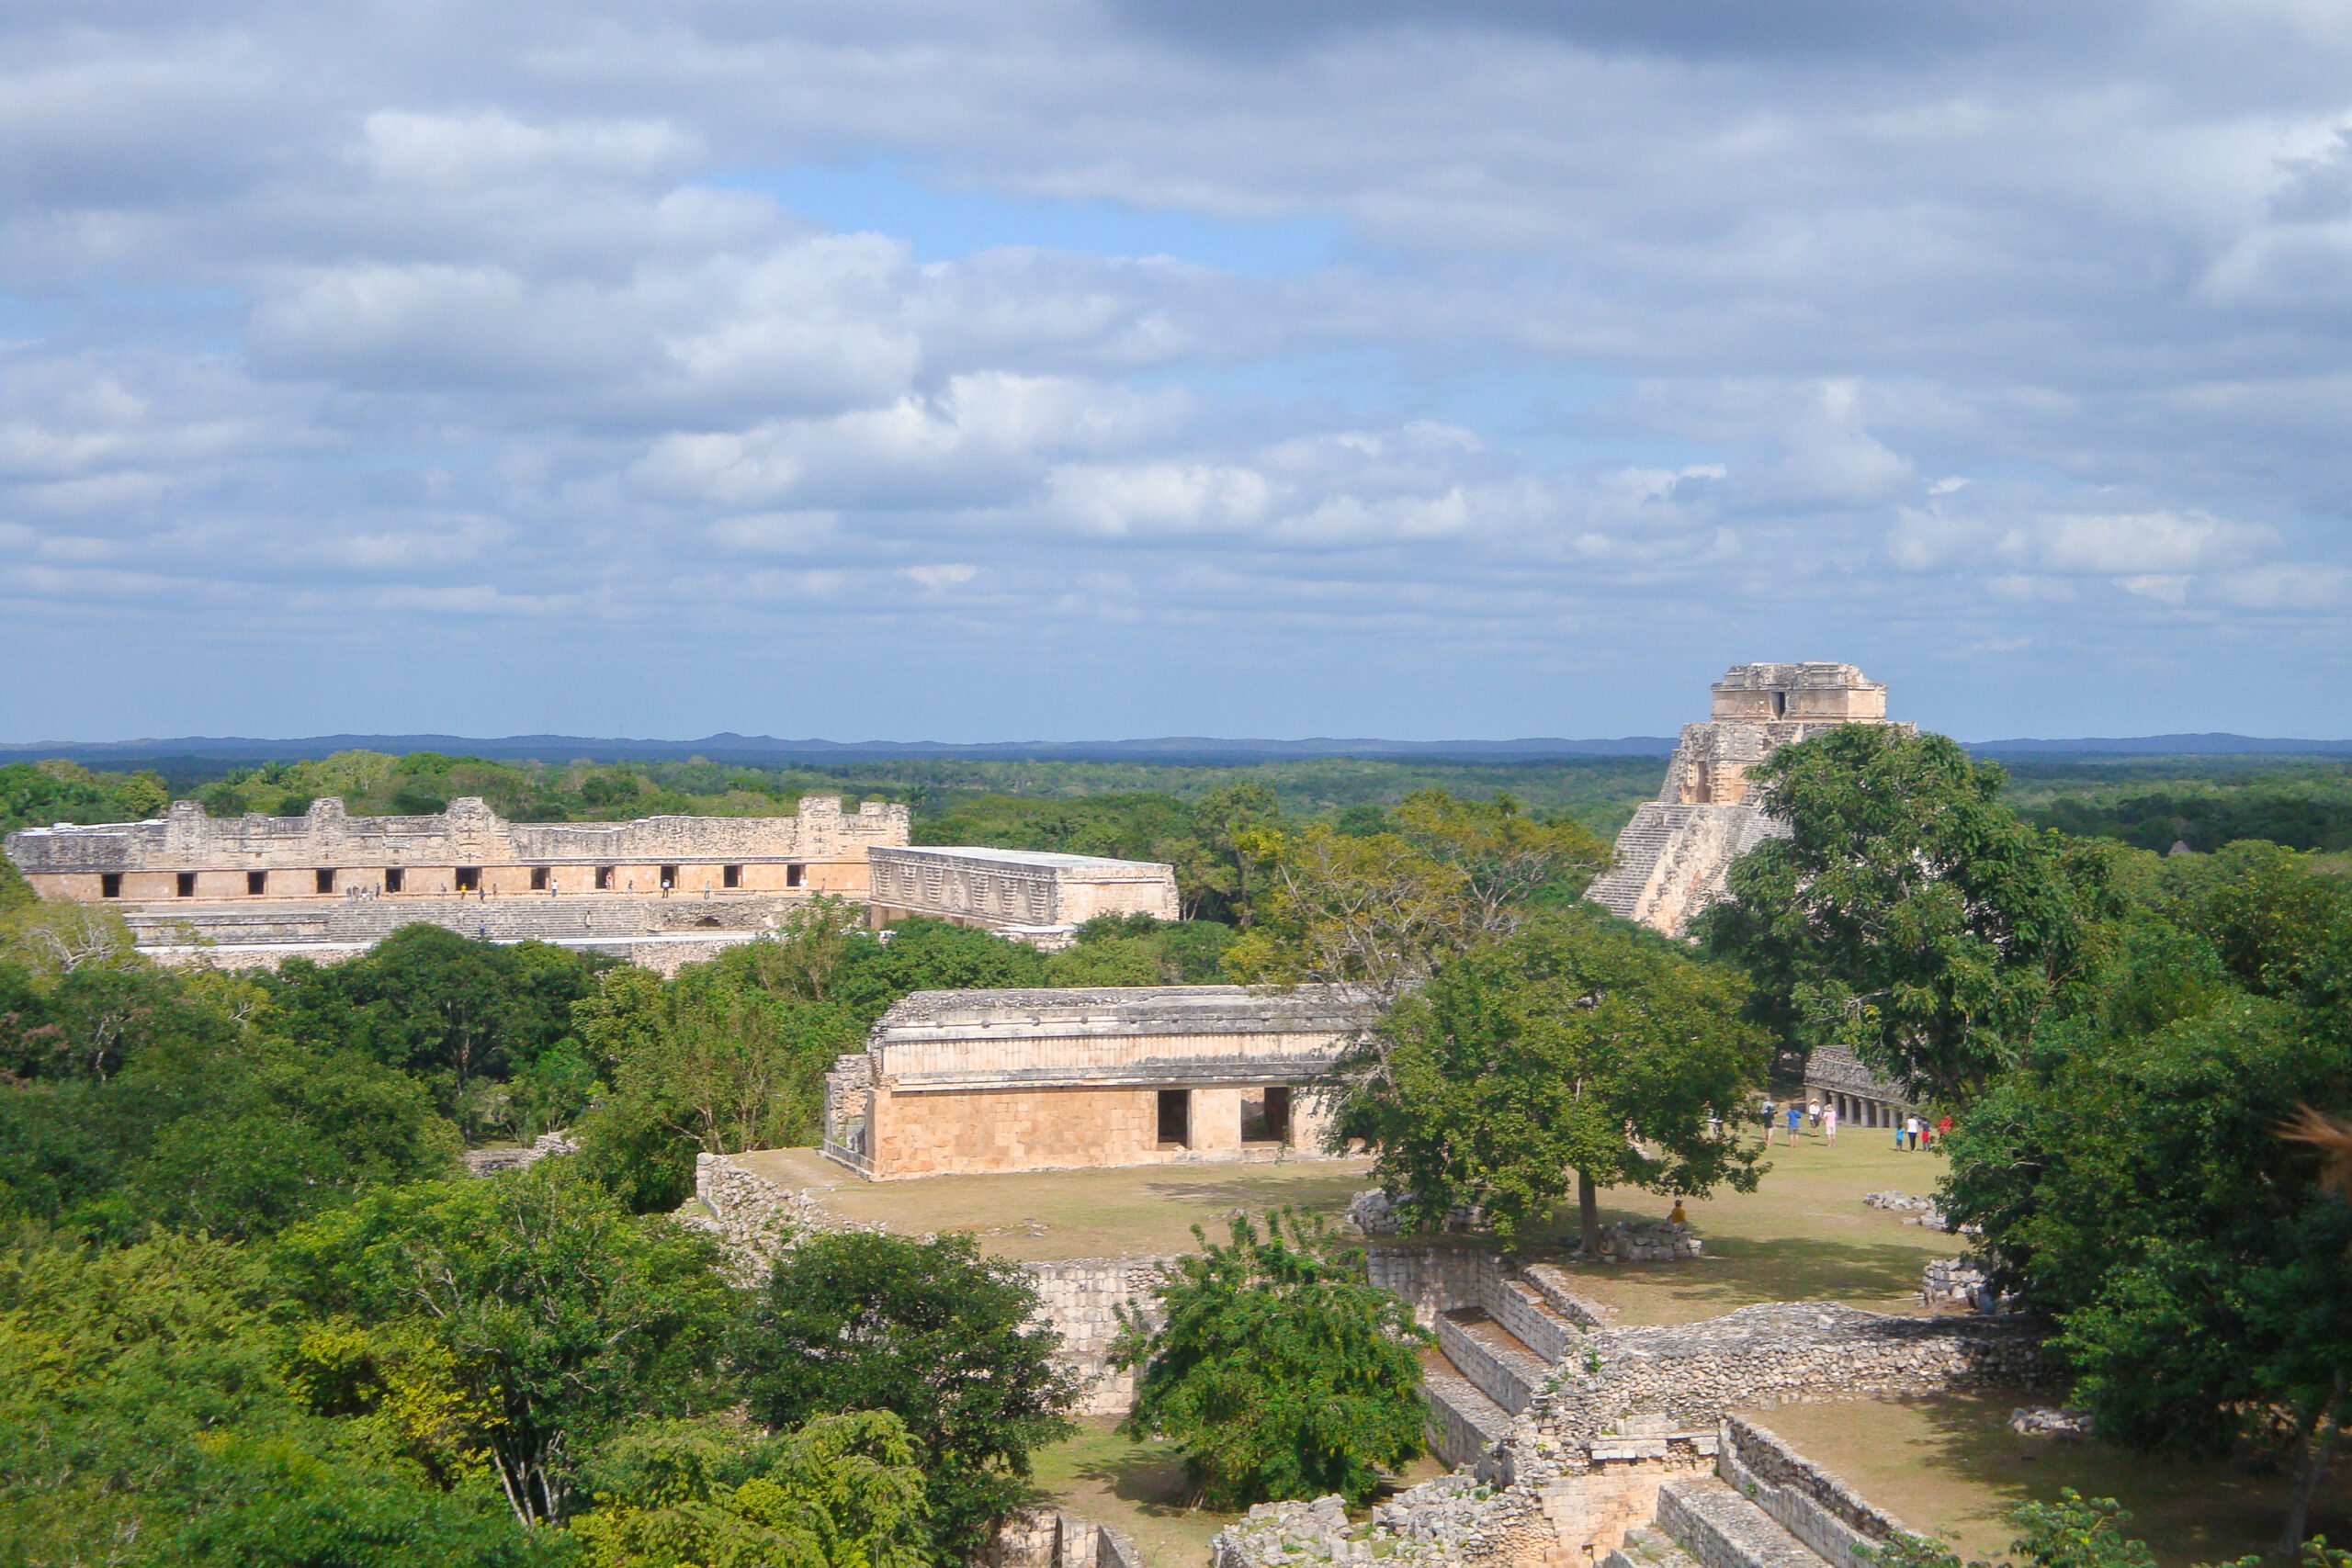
x=1081, y=1299
x=327, y=853
x=1692, y=1374
x=971, y=1130
x=980, y=886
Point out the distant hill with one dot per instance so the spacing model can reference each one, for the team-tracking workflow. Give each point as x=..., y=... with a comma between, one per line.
x=768, y=750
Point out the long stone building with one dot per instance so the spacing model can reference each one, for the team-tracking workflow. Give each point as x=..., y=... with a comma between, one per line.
x=967, y=1081
x=254, y=888
x=1038, y=896
x=1673, y=857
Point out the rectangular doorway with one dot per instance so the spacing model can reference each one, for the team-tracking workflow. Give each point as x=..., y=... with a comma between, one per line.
x=1265, y=1114
x=325, y=880
x=394, y=879
x=1176, y=1118
x=470, y=879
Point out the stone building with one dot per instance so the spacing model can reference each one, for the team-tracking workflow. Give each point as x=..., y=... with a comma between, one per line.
x=326, y=883
x=1673, y=856
x=1835, y=1075
x=966, y=1081
x=1036, y=894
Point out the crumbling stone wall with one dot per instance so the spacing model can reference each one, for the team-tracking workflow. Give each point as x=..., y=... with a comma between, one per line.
x=1690, y=1375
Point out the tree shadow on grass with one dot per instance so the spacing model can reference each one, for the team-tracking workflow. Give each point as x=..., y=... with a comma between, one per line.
x=2188, y=1510
x=1153, y=1480
x=1258, y=1194
x=1797, y=1269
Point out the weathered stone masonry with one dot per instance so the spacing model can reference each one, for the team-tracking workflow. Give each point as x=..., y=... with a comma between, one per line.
x=1672, y=857
x=969, y=1081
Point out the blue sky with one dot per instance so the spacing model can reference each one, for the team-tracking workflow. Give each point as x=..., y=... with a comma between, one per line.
x=1093, y=370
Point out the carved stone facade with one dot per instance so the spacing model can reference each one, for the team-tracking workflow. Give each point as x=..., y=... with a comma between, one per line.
x=327, y=884
x=967, y=1081
x=1036, y=894
x=1673, y=856
x=1835, y=1075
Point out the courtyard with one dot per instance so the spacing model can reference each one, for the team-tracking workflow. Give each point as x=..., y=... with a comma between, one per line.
x=1948, y=1466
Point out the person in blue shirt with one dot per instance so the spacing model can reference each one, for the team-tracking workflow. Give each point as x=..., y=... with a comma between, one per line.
x=1796, y=1119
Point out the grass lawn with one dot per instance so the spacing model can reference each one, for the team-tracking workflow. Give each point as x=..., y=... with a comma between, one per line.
x=1950, y=1466
x=1143, y=1211
x=1803, y=1235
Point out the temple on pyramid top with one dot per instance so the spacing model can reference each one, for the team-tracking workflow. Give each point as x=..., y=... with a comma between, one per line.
x=1673, y=857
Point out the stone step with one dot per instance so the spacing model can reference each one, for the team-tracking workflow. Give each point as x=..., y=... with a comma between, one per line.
x=1559, y=1292
x=1646, y=1546
x=1491, y=1357
x=1463, y=1424
x=1720, y=1528
x=1521, y=1309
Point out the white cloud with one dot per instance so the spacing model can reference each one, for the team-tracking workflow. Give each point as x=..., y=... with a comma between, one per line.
x=1611, y=340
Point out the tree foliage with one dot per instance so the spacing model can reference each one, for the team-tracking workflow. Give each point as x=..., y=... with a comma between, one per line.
x=1580, y=1042
x=841, y=1491
x=464, y=1015
x=1908, y=914
x=1380, y=910
x=563, y=1316
x=2129, y=1174
x=933, y=1330
x=1277, y=1369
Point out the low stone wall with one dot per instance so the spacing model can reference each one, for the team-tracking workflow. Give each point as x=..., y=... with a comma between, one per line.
x=1049, y=1538
x=1841, y=1527
x=1435, y=1278
x=1692, y=1374
x=755, y=1218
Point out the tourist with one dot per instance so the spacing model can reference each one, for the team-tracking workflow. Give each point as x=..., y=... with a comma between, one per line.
x=1829, y=1124
x=1813, y=1114
x=1677, y=1217
x=1796, y=1120
x=1770, y=1105
x=1911, y=1130
x=1943, y=1129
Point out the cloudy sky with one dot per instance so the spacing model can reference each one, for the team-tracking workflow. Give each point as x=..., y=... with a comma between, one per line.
x=1066, y=370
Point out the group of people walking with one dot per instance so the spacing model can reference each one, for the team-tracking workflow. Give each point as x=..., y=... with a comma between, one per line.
x=1913, y=1133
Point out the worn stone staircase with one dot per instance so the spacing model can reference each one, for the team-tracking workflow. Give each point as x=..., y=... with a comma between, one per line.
x=1765, y=1506
x=1491, y=1359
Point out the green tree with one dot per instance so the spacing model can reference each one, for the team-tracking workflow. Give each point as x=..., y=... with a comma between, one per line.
x=465, y=1014
x=144, y=1420
x=924, y=955
x=564, y=1316
x=149, y=1105
x=2137, y=1190
x=933, y=1330
x=1381, y=910
x=1908, y=914
x=1580, y=1042
x=841, y=1491
x=1277, y=1369
x=52, y=937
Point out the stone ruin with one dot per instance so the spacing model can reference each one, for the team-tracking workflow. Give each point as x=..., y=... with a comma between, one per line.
x=1673, y=856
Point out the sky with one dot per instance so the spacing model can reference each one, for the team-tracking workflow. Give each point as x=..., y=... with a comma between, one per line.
x=1055, y=370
